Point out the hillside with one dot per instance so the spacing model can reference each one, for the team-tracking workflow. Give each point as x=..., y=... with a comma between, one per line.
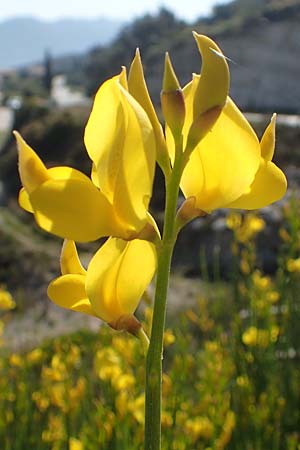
x=261, y=37
x=24, y=40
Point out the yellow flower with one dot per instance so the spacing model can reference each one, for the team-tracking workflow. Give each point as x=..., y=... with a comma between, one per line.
x=15, y=360
x=243, y=381
x=6, y=300
x=285, y=236
x=137, y=408
x=35, y=355
x=56, y=429
x=257, y=337
x=124, y=347
x=199, y=427
x=169, y=337
x=41, y=401
x=113, y=284
x=250, y=227
x=228, y=427
x=123, y=382
x=274, y=333
x=166, y=419
x=120, y=141
x=75, y=444
x=226, y=166
x=260, y=281
x=234, y=221
x=272, y=296
x=109, y=373
x=58, y=395
x=293, y=265
x=107, y=356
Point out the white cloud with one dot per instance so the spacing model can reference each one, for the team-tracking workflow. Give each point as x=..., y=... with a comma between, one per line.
x=187, y=9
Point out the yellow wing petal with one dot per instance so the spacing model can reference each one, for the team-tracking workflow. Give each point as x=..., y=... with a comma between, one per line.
x=118, y=275
x=213, y=87
x=136, y=271
x=270, y=183
x=224, y=163
x=24, y=201
x=120, y=141
x=31, y=168
x=104, y=134
x=69, y=260
x=100, y=282
x=133, y=188
x=94, y=176
x=66, y=172
x=268, y=186
x=73, y=209
x=267, y=142
x=68, y=291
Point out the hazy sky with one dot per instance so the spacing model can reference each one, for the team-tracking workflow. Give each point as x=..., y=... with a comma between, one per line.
x=123, y=9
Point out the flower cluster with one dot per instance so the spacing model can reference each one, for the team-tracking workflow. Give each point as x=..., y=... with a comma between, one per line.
x=222, y=164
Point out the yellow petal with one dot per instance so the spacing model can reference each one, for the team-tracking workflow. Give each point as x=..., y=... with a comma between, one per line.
x=267, y=143
x=123, y=78
x=68, y=291
x=104, y=133
x=69, y=260
x=32, y=170
x=94, y=176
x=136, y=271
x=120, y=141
x=65, y=172
x=133, y=188
x=73, y=209
x=213, y=87
x=138, y=89
x=118, y=275
x=270, y=183
x=268, y=186
x=24, y=201
x=224, y=163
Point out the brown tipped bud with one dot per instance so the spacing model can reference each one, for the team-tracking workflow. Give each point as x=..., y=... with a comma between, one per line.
x=172, y=100
x=188, y=211
x=127, y=322
x=170, y=81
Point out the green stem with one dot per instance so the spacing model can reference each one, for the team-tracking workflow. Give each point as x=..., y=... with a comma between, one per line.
x=155, y=352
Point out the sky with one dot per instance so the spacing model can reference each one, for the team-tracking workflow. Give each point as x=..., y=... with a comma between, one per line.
x=118, y=9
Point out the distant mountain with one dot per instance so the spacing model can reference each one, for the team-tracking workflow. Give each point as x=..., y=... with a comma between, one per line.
x=25, y=40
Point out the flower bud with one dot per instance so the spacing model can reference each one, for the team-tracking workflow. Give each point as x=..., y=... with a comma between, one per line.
x=172, y=100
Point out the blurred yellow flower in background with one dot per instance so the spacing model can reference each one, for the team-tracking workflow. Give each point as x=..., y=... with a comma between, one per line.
x=293, y=265
x=6, y=300
x=75, y=444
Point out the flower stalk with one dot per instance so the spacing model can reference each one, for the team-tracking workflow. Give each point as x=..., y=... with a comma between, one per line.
x=155, y=352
